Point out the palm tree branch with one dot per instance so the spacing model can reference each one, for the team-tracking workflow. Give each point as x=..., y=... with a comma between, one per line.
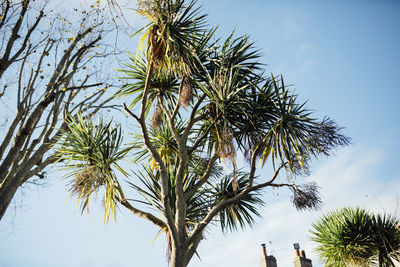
x=192, y=119
x=204, y=178
x=270, y=182
x=177, y=104
x=204, y=135
x=163, y=170
x=145, y=215
x=180, y=199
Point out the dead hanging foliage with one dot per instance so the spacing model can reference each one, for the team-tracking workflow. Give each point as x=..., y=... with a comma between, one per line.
x=226, y=148
x=226, y=151
x=186, y=94
x=147, y=8
x=158, y=49
x=87, y=181
x=235, y=183
x=157, y=118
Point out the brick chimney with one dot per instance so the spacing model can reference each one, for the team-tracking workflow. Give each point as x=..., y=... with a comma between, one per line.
x=300, y=259
x=267, y=261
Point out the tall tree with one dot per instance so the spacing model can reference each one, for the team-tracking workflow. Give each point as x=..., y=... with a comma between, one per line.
x=210, y=102
x=355, y=237
x=49, y=67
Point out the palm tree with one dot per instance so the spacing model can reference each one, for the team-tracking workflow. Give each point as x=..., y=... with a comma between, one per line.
x=386, y=237
x=355, y=237
x=210, y=101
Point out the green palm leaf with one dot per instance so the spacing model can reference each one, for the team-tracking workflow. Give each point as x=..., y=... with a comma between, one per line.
x=294, y=136
x=355, y=236
x=161, y=84
x=387, y=239
x=344, y=236
x=91, y=152
x=241, y=213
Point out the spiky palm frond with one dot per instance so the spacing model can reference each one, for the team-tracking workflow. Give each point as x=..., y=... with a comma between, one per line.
x=224, y=99
x=344, y=236
x=229, y=83
x=228, y=106
x=238, y=214
x=204, y=50
x=387, y=239
x=173, y=30
x=355, y=236
x=149, y=188
x=294, y=136
x=267, y=117
x=161, y=84
x=238, y=54
x=162, y=140
x=91, y=152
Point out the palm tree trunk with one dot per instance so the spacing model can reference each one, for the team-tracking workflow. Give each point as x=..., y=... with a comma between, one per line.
x=178, y=257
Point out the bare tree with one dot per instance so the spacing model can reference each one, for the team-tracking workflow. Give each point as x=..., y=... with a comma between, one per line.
x=51, y=65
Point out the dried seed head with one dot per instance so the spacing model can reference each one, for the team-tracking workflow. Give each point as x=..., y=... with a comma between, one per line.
x=158, y=48
x=157, y=118
x=235, y=184
x=186, y=94
x=87, y=181
x=226, y=148
x=306, y=197
x=146, y=7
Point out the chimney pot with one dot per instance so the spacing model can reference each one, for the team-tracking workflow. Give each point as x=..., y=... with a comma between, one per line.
x=267, y=261
x=301, y=261
x=264, y=250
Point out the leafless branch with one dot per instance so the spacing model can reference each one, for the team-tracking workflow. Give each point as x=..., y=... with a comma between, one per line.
x=44, y=91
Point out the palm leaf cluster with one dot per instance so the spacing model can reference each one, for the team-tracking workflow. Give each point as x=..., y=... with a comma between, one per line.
x=163, y=141
x=354, y=236
x=241, y=213
x=270, y=120
x=161, y=84
x=173, y=30
x=91, y=151
x=247, y=109
x=201, y=201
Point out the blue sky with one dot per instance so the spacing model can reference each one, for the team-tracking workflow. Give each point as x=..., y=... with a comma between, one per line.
x=343, y=57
